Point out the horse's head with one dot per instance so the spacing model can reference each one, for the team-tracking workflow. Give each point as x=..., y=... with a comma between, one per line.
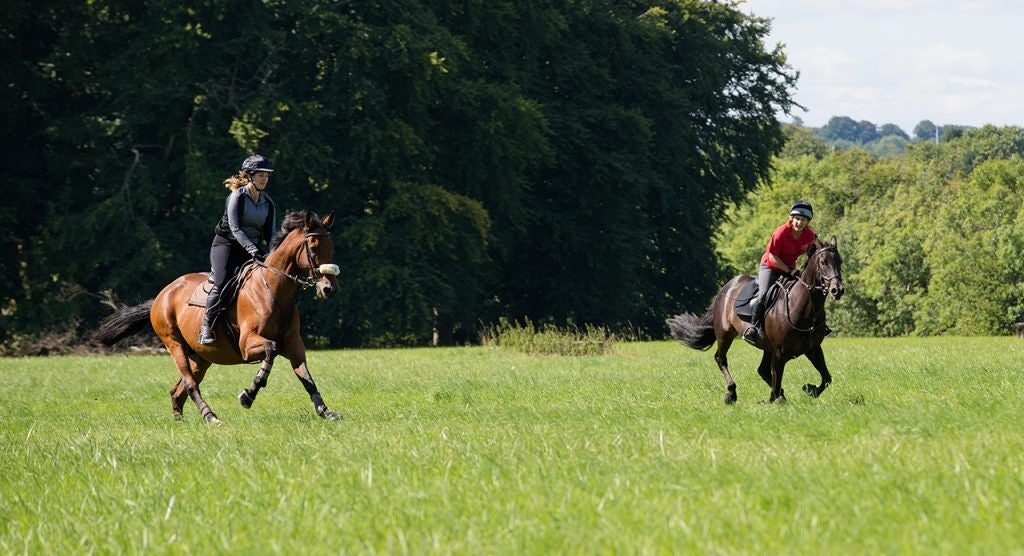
x=828, y=271
x=305, y=240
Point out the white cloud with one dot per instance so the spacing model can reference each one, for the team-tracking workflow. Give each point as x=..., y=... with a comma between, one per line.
x=903, y=61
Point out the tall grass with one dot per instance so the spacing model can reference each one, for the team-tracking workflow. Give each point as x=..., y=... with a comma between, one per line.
x=916, y=448
x=548, y=339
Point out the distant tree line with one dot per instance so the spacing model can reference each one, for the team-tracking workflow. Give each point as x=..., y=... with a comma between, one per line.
x=883, y=140
x=563, y=161
x=931, y=238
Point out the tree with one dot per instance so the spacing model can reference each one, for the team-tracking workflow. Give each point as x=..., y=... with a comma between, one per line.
x=925, y=131
x=841, y=128
x=888, y=130
x=866, y=132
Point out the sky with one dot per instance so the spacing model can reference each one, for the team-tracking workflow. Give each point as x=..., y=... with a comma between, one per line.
x=902, y=61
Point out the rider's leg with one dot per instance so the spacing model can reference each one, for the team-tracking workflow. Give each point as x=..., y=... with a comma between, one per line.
x=765, y=276
x=206, y=335
x=220, y=261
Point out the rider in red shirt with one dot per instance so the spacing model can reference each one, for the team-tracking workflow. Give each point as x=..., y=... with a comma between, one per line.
x=788, y=242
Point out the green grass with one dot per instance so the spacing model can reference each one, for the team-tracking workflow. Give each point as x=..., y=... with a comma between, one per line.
x=916, y=448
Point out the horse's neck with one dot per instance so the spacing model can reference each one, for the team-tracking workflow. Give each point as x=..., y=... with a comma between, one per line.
x=802, y=297
x=281, y=288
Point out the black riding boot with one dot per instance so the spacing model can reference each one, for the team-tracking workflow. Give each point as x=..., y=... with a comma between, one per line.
x=206, y=335
x=752, y=334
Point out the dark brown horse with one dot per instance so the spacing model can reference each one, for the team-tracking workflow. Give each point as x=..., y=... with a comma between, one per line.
x=793, y=326
x=264, y=320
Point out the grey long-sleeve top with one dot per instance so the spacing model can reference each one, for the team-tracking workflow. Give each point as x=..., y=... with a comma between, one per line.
x=250, y=222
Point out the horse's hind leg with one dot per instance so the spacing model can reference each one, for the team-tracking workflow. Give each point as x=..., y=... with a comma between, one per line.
x=190, y=380
x=723, y=366
x=178, y=397
x=817, y=357
x=179, y=394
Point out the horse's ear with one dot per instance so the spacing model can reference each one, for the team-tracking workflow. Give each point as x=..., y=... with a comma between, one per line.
x=328, y=220
x=310, y=218
x=814, y=246
x=832, y=242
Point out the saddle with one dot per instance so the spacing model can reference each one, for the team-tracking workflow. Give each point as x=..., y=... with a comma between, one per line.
x=231, y=288
x=227, y=298
x=746, y=296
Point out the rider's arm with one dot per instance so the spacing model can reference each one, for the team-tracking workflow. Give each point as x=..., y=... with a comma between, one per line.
x=777, y=263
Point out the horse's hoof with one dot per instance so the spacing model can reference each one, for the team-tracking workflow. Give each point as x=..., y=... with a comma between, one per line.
x=730, y=398
x=245, y=400
x=213, y=420
x=811, y=390
x=327, y=414
x=779, y=400
x=177, y=416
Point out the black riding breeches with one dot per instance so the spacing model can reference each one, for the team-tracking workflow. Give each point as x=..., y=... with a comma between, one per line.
x=226, y=257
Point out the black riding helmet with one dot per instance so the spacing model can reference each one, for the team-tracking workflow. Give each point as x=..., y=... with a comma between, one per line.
x=802, y=208
x=256, y=163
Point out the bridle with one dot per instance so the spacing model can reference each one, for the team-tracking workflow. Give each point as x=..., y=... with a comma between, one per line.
x=315, y=271
x=821, y=286
x=822, y=282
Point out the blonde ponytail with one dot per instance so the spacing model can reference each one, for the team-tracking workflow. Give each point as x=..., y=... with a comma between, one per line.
x=240, y=179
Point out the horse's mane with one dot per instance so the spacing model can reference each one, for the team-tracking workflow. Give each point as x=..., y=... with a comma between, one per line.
x=294, y=220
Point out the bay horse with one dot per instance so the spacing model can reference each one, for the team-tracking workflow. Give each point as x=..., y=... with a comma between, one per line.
x=264, y=318
x=793, y=326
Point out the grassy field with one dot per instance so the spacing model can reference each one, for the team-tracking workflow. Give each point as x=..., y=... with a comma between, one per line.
x=917, y=448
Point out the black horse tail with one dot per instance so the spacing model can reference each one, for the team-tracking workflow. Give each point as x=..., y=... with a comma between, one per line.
x=124, y=323
x=691, y=330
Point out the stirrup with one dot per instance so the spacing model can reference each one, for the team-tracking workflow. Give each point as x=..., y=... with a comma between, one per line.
x=752, y=335
x=206, y=335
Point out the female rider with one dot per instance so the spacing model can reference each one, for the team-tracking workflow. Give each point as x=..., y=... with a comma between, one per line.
x=248, y=220
x=787, y=243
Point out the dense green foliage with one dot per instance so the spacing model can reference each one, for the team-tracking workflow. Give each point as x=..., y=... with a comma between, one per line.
x=554, y=160
x=916, y=448
x=931, y=239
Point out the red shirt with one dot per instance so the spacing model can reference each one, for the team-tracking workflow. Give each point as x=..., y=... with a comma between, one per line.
x=787, y=248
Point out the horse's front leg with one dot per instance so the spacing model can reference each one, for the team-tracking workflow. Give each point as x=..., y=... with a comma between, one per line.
x=256, y=345
x=302, y=373
x=817, y=358
x=778, y=368
x=295, y=350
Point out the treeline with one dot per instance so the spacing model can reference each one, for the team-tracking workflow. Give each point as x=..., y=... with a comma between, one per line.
x=562, y=161
x=931, y=239
x=882, y=140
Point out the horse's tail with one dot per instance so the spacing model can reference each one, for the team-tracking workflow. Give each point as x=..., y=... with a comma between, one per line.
x=124, y=323
x=691, y=330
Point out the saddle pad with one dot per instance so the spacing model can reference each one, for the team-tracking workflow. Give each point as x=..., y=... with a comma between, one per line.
x=749, y=292
x=742, y=305
x=199, y=295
